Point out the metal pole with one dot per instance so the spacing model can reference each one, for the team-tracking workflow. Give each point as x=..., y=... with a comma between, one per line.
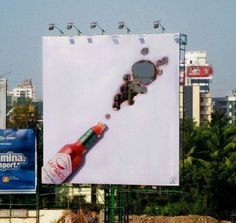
x=113, y=203
x=37, y=204
x=38, y=171
x=10, y=208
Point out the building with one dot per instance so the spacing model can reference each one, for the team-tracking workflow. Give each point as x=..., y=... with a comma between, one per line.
x=196, y=84
x=198, y=71
x=21, y=94
x=24, y=90
x=227, y=105
x=192, y=102
x=205, y=106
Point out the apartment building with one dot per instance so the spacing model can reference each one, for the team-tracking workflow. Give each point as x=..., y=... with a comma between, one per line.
x=227, y=105
x=196, y=86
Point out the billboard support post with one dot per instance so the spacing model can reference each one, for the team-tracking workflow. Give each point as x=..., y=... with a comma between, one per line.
x=10, y=207
x=116, y=204
x=182, y=45
x=39, y=148
x=37, y=205
x=113, y=203
x=37, y=130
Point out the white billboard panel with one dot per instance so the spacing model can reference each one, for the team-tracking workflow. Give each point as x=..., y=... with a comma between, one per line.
x=3, y=102
x=128, y=82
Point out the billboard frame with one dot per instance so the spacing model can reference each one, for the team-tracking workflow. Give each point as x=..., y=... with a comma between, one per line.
x=92, y=40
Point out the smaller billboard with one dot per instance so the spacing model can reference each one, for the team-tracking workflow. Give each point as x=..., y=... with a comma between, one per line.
x=200, y=71
x=17, y=161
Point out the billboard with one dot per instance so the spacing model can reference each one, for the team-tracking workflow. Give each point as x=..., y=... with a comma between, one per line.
x=122, y=87
x=17, y=161
x=200, y=72
x=3, y=102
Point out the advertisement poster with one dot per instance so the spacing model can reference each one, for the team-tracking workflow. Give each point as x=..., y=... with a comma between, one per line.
x=17, y=161
x=205, y=72
x=127, y=83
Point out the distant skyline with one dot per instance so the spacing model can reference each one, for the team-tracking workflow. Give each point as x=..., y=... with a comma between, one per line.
x=209, y=25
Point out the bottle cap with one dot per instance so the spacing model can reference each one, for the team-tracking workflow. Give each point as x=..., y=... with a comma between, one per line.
x=99, y=128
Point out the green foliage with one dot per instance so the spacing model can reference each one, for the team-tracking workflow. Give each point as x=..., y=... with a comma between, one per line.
x=209, y=168
x=23, y=115
x=208, y=173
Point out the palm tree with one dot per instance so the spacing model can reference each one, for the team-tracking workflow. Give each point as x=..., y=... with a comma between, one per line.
x=210, y=165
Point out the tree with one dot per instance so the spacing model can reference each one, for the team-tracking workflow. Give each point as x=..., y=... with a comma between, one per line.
x=23, y=115
x=208, y=179
x=209, y=167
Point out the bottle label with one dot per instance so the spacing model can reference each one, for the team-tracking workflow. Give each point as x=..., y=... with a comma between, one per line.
x=57, y=169
x=88, y=138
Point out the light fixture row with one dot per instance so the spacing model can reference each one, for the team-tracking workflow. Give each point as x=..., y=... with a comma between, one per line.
x=93, y=25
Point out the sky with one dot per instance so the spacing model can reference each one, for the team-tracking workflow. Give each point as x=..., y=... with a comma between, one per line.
x=210, y=25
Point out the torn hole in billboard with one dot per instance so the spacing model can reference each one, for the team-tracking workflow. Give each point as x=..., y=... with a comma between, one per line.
x=144, y=72
x=145, y=51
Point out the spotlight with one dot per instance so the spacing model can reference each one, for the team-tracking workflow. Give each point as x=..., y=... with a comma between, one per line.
x=157, y=24
x=93, y=25
x=122, y=25
x=52, y=26
x=71, y=25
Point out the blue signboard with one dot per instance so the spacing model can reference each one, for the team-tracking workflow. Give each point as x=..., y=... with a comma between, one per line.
x=17, y=161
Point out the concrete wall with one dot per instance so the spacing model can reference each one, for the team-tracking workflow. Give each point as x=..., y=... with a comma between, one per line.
x=46, y=216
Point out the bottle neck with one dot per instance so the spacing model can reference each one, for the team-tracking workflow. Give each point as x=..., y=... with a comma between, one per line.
x=87, y=139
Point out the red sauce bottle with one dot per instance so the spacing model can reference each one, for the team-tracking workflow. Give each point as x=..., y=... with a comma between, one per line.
x=69, y=157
